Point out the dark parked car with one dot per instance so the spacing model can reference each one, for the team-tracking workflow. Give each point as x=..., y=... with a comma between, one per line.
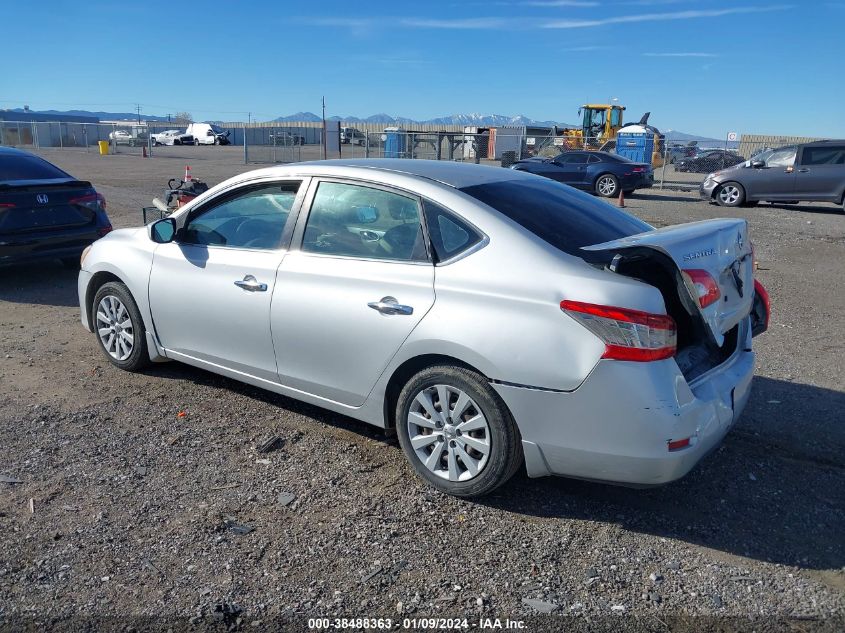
x=46, y=213
x=710, y=160
x=812, y=172
x=677, y=153
x=599, y=172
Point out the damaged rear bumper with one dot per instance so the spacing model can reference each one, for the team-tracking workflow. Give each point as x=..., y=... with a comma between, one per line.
x=616, y=426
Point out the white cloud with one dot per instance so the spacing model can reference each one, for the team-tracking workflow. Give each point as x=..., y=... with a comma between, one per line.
x=583, y=49
x=504, y=23
x=655, y=17
x=560, y=3
x=457, y=23
x=680, y=55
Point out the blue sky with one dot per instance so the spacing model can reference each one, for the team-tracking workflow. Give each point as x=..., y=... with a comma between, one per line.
x=700, y=67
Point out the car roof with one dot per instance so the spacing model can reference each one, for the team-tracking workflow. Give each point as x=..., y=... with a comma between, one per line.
x=13, y=150
x=454, y=174
x=824, y=142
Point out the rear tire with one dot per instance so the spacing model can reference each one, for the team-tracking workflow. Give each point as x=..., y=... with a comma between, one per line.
x=119, y=327
x=468, y=455
x=730, y=194
x=607, y=186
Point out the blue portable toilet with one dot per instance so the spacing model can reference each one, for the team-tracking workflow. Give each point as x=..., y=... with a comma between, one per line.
x=395, y=142
x=636, y=143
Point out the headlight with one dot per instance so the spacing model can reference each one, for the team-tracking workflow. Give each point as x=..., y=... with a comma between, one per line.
x=84, y=255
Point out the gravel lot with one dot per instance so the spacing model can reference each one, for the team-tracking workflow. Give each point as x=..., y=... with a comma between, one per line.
x=133, y=485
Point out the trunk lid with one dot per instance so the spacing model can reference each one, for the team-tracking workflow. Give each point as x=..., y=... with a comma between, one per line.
x=46, y=205
x=719, y=247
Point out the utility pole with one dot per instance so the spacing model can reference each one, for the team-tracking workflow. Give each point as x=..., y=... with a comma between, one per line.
x=325, y=136
x=249, y=117
x=138, y=110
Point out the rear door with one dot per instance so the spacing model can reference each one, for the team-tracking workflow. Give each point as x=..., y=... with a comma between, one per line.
x=357, y=281
x=719, y=247
x=820, y=173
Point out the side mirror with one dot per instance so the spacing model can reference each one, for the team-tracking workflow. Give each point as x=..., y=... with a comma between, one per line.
x=758, y=164
x=163, y=231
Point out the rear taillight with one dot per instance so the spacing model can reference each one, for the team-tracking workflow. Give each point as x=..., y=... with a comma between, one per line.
x=706, y=288
x=627, y=334
x=91, y=200
x=6, y=205
x=104, y=229
x=638, y=170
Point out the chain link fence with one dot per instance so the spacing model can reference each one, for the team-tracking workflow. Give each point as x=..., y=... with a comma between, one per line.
x=677, y=163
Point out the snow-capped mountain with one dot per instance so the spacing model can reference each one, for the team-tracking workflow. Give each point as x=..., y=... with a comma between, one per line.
x=481, y=120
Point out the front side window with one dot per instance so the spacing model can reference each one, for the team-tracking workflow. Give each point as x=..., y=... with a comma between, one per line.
x=781, y=158
x=254, y=218
x=358, y=221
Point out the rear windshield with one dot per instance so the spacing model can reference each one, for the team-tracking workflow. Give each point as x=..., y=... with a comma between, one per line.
x=562, y=216
x=27, y=167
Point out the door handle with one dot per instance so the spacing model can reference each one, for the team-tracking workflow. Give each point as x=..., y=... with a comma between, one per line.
x=388, y=305
x=803, y=170
x=251, y=284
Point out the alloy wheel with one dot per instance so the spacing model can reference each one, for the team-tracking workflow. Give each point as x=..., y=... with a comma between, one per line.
x=114, y=327
x=607, y=186
x=729, y=195
x=449, y=433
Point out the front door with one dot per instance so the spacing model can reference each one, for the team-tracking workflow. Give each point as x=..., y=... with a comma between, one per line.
x=574, y=168
x=210, y=290
x=351, y=293
x=775, y=181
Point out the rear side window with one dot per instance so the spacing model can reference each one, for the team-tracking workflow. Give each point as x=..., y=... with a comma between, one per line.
x=562, y=216
x=824, y=155
x=450, y=235
x=27, y=167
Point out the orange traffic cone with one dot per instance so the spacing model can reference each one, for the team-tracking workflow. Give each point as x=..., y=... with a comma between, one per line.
x=621, y=199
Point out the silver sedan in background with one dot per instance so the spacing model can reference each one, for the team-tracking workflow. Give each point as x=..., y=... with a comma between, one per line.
x=490, y=316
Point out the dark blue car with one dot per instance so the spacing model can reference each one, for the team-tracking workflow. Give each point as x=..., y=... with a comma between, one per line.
x=602, y=173
x=45, y=213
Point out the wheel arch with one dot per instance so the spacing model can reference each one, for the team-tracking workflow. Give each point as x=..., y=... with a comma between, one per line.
x=406, y=370
x=98, y=280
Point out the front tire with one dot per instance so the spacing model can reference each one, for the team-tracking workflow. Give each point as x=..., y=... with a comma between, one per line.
x=119, y=327
x=607, y=186
x=457, y=432
x=730, y=194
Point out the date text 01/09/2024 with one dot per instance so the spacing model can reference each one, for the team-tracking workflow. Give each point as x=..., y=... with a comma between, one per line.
x=418, y=624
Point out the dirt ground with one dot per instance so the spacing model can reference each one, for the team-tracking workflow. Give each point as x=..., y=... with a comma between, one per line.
x=133, y=485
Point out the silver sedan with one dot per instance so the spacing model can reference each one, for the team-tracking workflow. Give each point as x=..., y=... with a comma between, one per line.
x=493, y=318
